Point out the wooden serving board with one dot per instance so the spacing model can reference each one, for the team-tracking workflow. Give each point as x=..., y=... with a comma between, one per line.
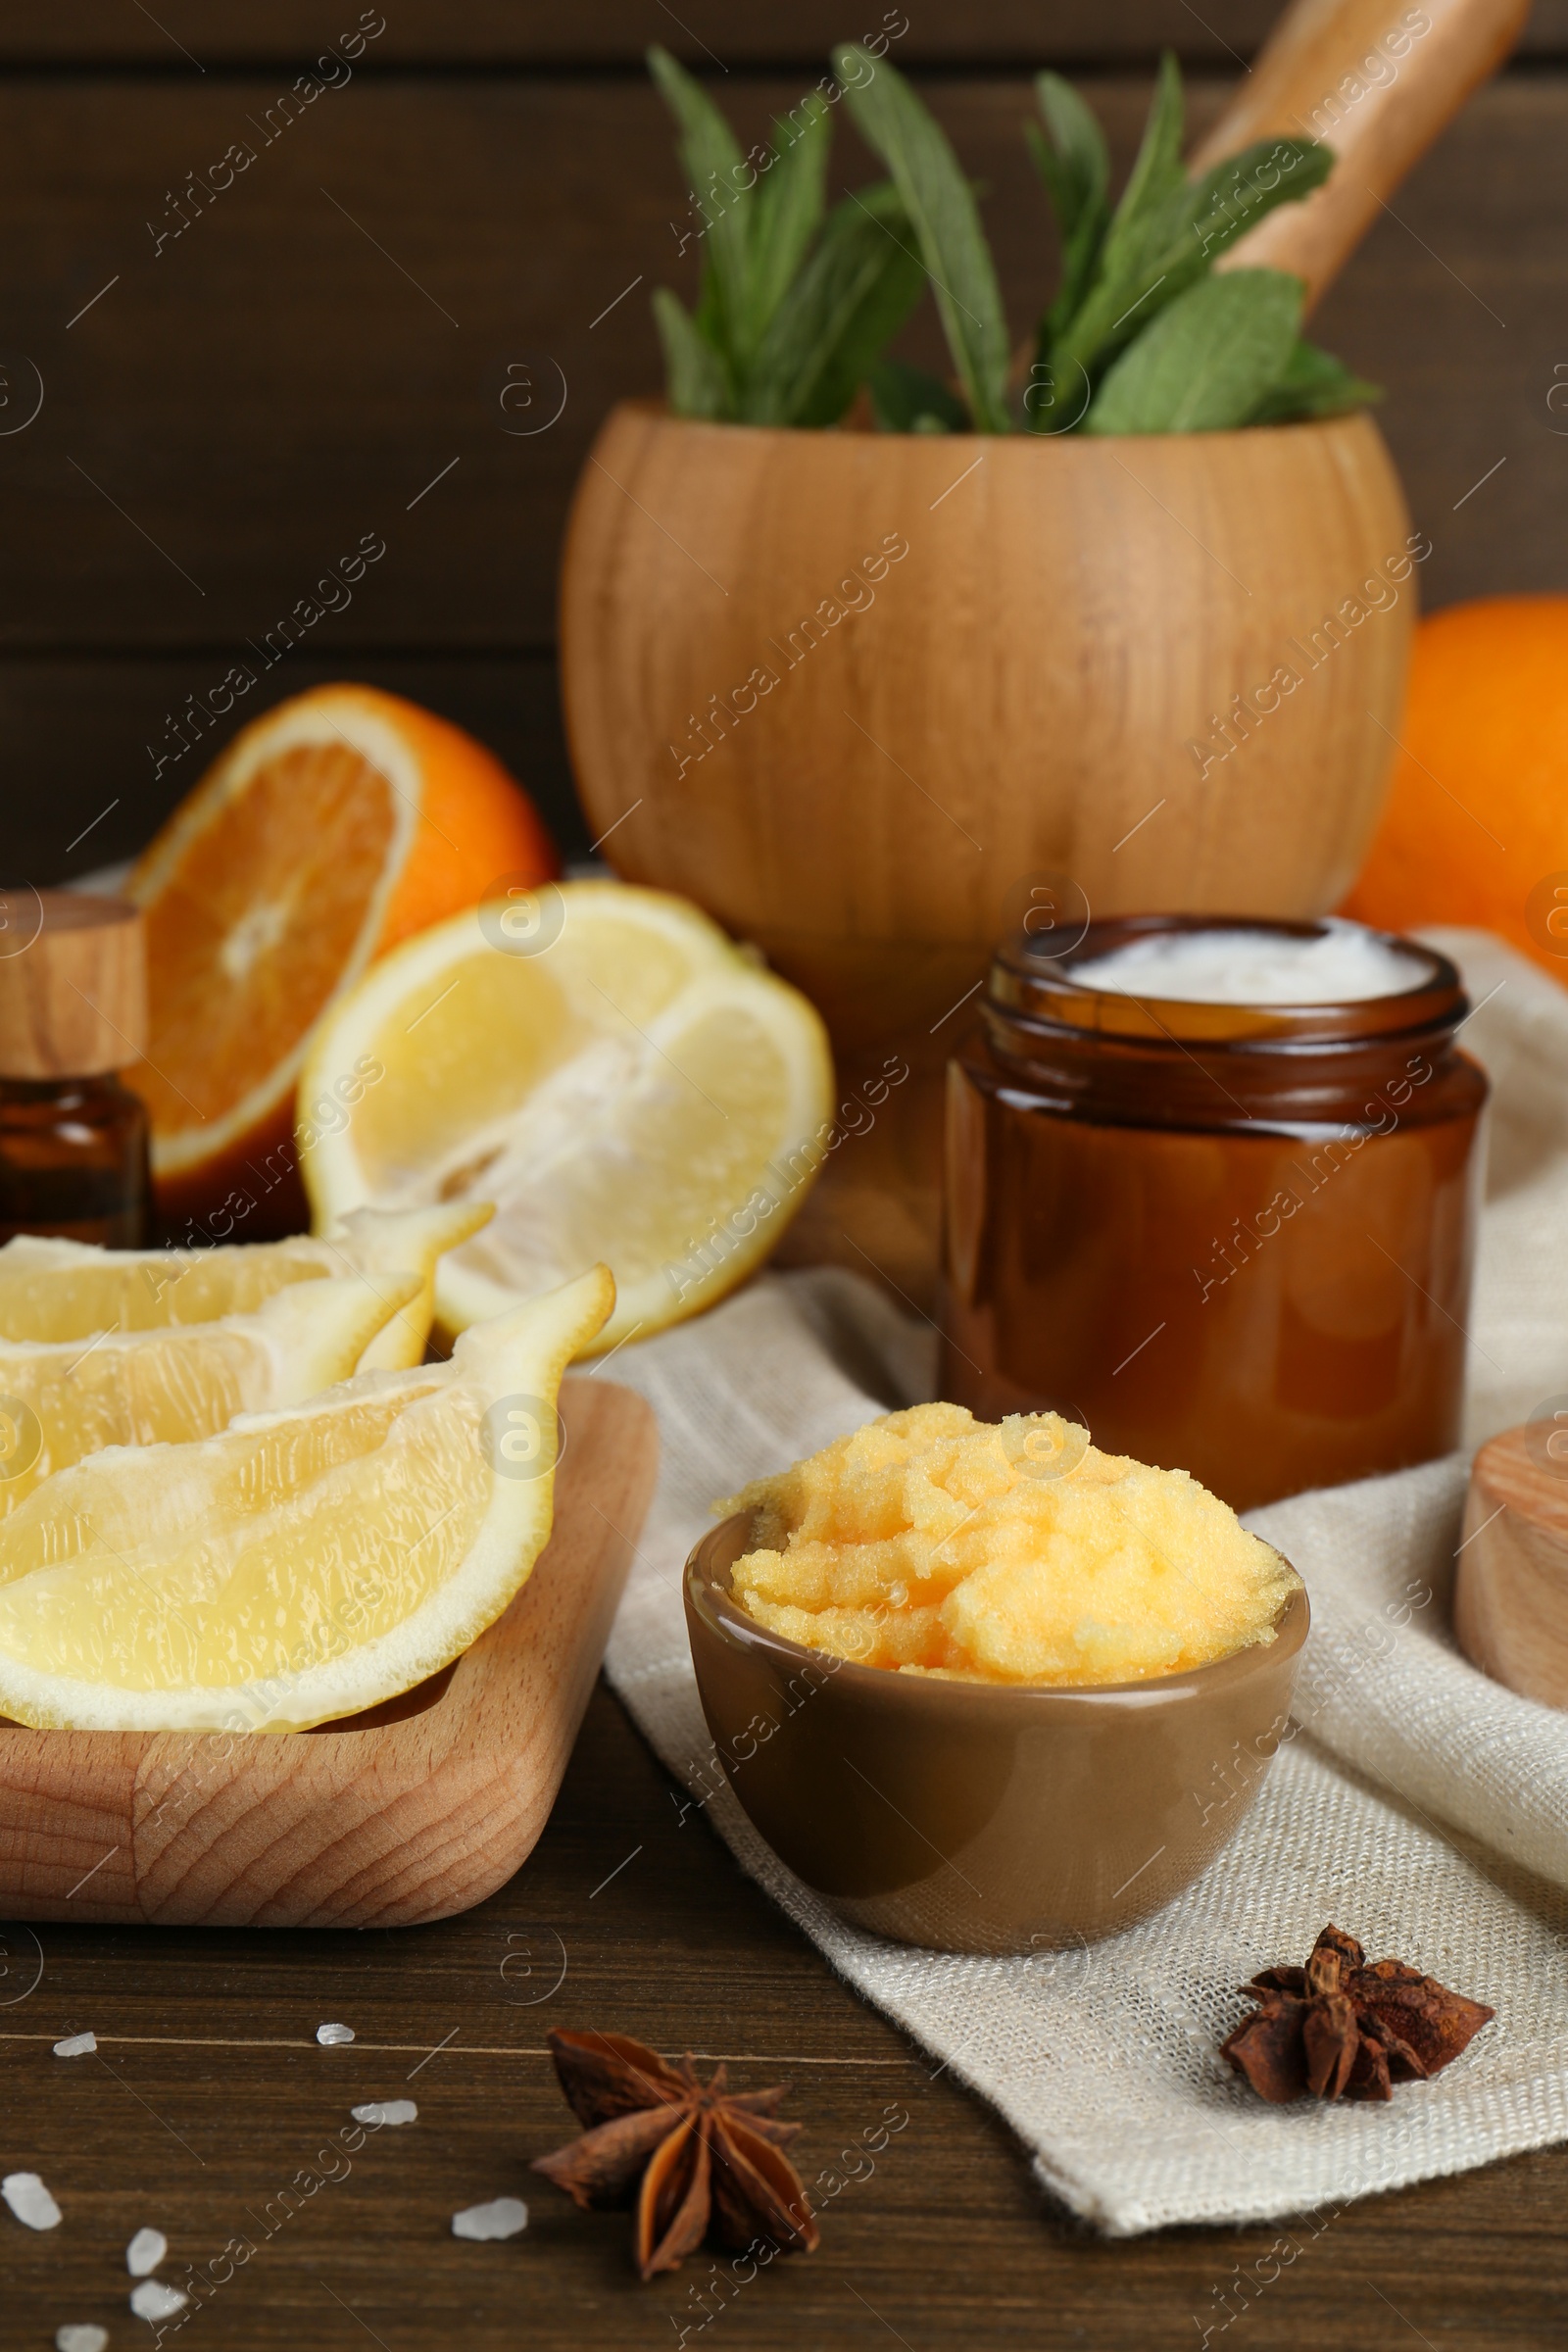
x=418, y=1810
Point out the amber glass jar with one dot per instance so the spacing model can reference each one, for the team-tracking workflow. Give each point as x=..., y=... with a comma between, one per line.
x=1235, y=1239
x=73, y=1013
x=73, y=1161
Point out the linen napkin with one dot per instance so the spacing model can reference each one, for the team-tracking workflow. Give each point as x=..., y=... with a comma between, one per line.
x=1419, y=1804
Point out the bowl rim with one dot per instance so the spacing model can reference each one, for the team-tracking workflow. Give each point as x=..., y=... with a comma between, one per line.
x=713, y=1604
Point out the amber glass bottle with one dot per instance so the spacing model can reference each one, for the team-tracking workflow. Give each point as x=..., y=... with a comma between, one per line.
x=73, y=1015
x=1235, y=1239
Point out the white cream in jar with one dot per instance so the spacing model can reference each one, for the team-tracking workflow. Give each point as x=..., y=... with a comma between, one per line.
x=1341, y=963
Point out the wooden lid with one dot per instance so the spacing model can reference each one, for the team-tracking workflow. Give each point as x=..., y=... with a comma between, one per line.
x=72, y=984
x=1510, y=1598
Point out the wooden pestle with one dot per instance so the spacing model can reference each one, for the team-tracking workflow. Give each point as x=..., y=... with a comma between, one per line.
x=1376, y=81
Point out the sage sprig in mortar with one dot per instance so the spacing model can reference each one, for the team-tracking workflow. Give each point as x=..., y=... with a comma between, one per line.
x=1142, y=336
x=793, y=307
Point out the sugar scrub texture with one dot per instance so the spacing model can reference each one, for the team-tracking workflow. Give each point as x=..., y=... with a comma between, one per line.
x=1342, y=964
x=1007, y=1552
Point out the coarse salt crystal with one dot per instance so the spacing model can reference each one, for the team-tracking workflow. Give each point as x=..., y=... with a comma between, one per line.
x=152, y=2300
x=378, y=2112
x=504, y=2217
x=81, y=2338
x=330, y=2036
x=77, y=2045
x=145, y=2252
x=30, y=2200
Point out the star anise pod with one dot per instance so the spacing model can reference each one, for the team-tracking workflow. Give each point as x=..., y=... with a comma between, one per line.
x=1341, y=2029
x=708, y=2158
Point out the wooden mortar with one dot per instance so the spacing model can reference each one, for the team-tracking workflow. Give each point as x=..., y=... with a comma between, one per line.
x=874, y=769
x=872, y=698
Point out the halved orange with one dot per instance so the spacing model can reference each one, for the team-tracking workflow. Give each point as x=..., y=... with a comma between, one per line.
x=329, y=830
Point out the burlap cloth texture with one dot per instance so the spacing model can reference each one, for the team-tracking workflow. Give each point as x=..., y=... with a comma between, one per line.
x=1419, y=1804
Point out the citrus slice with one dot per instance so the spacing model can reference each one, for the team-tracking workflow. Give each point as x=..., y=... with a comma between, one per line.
x=61, y=1400
x=606, y=1067
x=58, y=1290
x=306, y=1563
x=331, y=827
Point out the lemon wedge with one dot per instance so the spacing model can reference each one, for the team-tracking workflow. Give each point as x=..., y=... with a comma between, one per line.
x=57, y=1289
x=600, y=1061
x=304, y=1565
x=61, y=1400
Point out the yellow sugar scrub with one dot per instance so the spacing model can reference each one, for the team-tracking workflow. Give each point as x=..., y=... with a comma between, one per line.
x=1011, y=1551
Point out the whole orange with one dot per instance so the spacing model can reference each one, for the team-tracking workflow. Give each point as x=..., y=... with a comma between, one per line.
x=333, y=826
x=1476, y=826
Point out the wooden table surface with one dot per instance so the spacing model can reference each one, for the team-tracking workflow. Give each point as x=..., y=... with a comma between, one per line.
x=209, y=2098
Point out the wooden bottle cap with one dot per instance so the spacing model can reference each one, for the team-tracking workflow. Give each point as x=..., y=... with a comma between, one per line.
x=72, y=984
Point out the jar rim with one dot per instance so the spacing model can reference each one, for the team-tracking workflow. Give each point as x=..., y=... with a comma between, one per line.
x=1041, y=988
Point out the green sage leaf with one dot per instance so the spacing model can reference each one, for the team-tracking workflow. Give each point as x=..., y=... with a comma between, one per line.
x=1072, y=160
x=909, y=400
x=1314, y=384
x=1236, y=195
x=1172, y=242
x=713, y=163
x=1157, y=173
x=945, y=224
x=1072, y=157
x=851, y=298
x=786, y=212
x=1134, y=262
x=1209, y=359
x=695, y=379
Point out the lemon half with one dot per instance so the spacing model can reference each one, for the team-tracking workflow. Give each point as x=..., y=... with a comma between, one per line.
x=601, y=1062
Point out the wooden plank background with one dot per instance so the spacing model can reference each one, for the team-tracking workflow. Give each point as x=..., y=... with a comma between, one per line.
x=318, y=354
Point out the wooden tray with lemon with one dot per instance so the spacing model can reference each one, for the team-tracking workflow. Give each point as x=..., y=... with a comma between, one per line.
x=244, y=1512
x=296, y=1625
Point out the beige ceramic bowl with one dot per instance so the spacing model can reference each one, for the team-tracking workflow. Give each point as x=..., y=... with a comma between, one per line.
x=975, y=1818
